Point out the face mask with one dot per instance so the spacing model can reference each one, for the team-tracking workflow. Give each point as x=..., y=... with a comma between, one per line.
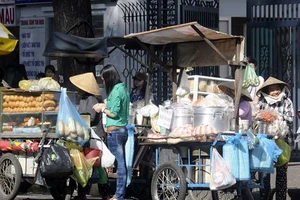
x=272, y=100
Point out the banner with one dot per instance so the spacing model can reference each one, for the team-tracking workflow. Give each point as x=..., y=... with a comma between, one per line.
x=32, y=45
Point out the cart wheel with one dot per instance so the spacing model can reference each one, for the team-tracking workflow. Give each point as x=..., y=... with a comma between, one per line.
x=199, y=195
x=168, y=182
x=10, y=176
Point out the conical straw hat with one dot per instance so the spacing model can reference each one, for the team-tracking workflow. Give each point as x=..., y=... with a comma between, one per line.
x=230, y=85
x=272, y=81
x=86, y=82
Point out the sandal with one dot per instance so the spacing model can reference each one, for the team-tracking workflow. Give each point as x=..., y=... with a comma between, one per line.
x=113, y=198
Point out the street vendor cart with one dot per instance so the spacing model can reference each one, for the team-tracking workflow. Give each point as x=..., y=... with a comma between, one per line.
x=25, y=117
x=193, y=46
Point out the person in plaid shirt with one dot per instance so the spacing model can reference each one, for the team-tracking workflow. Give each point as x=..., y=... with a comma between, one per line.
x=273, y=95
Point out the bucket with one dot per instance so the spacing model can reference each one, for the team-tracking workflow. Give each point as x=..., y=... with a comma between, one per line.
x=215, y=117
x=92, y=153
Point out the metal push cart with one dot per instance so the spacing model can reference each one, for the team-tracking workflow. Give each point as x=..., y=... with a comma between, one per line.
x=182, y=171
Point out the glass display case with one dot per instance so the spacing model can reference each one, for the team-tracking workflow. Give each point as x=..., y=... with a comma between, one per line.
x=28, y=113
x=203, y=85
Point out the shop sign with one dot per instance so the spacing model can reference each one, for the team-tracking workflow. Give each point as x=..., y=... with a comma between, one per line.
x=32, y=45
x=32, y=1
x=7, y=1
x=165, y=117
x=8, y=15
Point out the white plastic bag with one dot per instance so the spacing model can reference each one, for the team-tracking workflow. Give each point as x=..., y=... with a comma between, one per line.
x=221, y=176
x=107, y=159
x=48, y=83
x=183, y=88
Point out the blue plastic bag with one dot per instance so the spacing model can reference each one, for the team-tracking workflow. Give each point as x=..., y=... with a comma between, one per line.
x=236, y=154
x=129, y=152
x=260, y=160
x=272, y=148
x=70, y=126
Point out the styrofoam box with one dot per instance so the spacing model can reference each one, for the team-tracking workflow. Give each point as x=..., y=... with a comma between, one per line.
x=27, y=162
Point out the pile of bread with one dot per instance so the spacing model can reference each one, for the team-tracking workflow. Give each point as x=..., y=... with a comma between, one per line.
x=29, y=103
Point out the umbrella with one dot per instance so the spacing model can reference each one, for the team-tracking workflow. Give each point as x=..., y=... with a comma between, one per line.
x=8, y=41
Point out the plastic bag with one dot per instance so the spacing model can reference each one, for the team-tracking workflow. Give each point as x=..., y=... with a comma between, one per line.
x=129, y=152
x=261, y=160
x=250, y=78
x=98, y=176
x=221, y=176
x=107, y=159
x=83, y=168
x=279, y=129
x=56, y=162
x=70, y=125
x=236, y=154
x=286, y=154
x=252, y=139
x=273, y=150
x=183, y=88
x=38, y=178
x=48, y=83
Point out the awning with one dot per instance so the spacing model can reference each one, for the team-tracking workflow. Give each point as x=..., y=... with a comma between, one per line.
x=196, y=44
x=8, y=41
x=66, y=45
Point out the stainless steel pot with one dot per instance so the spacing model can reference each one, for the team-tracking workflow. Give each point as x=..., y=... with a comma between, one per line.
x=181, y=117
x=216, y=117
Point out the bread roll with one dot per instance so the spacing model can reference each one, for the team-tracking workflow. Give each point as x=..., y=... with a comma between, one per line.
x=50, y=108
x=49, y=103
x=48, y=96
x=5, y=104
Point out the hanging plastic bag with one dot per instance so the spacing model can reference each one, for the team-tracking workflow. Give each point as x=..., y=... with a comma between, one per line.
x=252, y=139
x=236, y=154
x=83, y=168
x=286, y=154
x=56, y=162
x=70, y=126
x=98, y=176
x=221, y=176
x=250, y=78
x=38, y=178
x=183, y=88
x=129, y=152
x=272, y=148
x=261, y=160
x=107, y=159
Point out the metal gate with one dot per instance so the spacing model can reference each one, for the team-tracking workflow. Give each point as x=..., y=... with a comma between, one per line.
x=152, y=14
x=206, y=13
x=273, y=36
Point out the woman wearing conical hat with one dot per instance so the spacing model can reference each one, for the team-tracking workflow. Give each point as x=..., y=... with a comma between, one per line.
x=90, y=95
x=273, y=95
x=245, y=110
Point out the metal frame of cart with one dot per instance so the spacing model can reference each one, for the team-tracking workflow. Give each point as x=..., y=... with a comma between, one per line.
x=175, y=176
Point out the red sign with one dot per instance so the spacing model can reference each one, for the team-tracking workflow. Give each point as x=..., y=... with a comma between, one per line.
x=8, y=15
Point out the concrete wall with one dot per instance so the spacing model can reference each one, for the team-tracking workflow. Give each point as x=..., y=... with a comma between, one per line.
x=232, y=8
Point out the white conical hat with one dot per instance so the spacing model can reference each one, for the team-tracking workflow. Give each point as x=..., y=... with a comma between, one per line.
x=86, y=82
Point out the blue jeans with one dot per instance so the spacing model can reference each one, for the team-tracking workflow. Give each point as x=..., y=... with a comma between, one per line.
x=116, y=141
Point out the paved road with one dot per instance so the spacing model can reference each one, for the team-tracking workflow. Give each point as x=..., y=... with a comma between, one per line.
x=293, y=183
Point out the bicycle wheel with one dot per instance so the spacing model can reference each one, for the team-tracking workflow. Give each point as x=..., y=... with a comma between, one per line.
x=168, y=183
x=11, y=176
